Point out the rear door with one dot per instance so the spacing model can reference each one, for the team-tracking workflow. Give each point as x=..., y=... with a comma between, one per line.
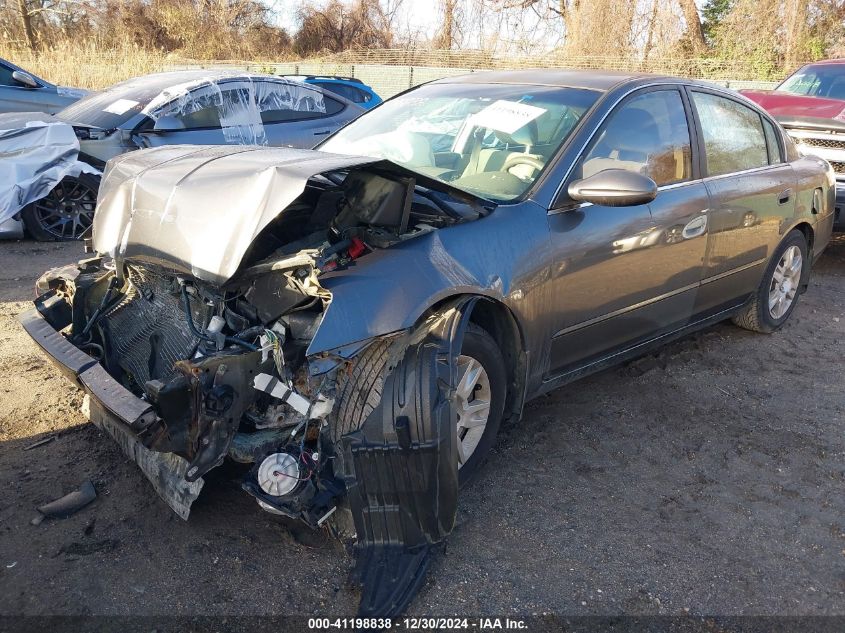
x=627, y=274
x=752, y=191
x=310, y=120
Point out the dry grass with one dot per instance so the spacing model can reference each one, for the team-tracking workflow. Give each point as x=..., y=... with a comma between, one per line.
x=94, y=66
x=87, y=65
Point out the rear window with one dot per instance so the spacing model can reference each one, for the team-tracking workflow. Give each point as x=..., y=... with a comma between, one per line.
x=355, y=95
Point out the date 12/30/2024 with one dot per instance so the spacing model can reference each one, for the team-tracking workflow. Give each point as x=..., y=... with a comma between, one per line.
x=417, y=624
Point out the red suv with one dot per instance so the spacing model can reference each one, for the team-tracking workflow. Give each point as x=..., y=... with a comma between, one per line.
x=810, y=105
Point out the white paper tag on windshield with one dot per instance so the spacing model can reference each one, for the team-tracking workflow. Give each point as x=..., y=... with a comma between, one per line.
x=506, y=116
x=120, y=106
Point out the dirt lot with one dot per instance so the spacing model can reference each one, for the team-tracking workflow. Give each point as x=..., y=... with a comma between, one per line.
x=709, y=477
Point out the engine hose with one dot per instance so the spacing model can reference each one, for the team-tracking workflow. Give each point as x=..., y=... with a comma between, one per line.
x=101, y=309
x=202, y=335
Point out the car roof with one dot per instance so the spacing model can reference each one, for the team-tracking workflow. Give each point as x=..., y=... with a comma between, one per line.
x=602, y=80
x=326, y=78
x=164, y=80
x=826, y=62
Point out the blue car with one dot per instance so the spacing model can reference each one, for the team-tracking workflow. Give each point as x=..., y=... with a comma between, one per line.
x=21, y=91
x=348, y=87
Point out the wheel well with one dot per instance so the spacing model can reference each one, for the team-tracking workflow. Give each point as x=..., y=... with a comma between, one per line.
x=808, y=232
x=499, y=323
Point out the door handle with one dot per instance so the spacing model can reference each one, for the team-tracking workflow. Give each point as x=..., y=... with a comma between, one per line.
x=784, y=196
x=695, y=227
x=322, y=132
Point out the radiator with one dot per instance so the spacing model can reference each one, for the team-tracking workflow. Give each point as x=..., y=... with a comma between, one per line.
x=147, y=332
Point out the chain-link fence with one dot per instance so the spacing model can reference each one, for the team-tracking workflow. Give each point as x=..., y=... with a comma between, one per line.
x=388, y=79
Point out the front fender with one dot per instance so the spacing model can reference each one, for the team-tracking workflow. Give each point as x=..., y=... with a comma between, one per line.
x=391, y=289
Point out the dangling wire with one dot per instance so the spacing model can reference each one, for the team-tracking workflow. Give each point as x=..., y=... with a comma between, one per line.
x=278, y=357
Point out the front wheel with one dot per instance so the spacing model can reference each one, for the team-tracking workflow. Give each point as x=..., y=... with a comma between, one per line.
x=479, y=400
x=66, y=213
x=479, y=396
x=777, y=295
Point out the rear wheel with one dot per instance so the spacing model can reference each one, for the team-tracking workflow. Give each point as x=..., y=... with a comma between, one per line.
x=66, y=213
x=777, y=295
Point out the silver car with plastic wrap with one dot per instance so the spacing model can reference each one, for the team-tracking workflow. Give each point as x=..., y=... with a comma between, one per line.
x=354, y=324
x=52, y=181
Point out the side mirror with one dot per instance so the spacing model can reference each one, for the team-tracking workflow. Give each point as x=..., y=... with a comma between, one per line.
x=168, y=124
x=614, y=188
x=25, y=79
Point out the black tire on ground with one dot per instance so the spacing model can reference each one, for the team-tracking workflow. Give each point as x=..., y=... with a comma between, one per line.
x=361, y=391
x=66, y=213
x=755, y=315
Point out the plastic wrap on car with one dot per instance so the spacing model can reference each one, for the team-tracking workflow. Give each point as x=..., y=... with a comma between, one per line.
x=239, y=103
x=35, y=155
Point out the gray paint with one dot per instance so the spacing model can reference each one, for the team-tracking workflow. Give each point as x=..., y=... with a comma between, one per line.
x=583, y=282
x=44, y=97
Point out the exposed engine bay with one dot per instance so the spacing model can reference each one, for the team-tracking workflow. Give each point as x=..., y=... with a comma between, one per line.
x=225, y=372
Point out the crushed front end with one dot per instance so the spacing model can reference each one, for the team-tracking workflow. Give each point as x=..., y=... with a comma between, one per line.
x=193, y=355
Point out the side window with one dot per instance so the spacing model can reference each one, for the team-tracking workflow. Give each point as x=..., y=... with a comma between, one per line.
x=733, y=134
x=6, y=77
x=311, y=106
x=647, y=134
x=208, y=116
x=349, y=92
x=775, y=155
x=216, y=108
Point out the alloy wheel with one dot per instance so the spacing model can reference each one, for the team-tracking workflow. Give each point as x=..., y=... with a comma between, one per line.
x=473, y=397
x=68, y=210
x=785, y=281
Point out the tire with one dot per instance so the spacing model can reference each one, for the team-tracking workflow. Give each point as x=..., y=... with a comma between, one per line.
x=758, y=315
x=66, y=213
x=361, y=392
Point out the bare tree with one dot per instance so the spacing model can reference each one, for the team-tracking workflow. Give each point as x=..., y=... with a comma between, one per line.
x=338, y=27
x=26, y=24
x=693, y=20
x=446, y=35
x=796, y=30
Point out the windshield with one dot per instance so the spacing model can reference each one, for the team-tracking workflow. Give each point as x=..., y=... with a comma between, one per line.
x=111, y=108
x=817, y=81
x=492, y=140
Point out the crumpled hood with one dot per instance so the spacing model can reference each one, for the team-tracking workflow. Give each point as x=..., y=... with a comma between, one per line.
x=787, y=107
x=198, y=209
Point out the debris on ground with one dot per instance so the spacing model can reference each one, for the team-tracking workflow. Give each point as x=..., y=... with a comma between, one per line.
x=41, y=442
x=70, y=504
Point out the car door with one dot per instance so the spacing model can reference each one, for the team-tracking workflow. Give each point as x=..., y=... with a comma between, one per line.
x=752, y=192
x=305, y=121
x=626, y=274
x=211, y=114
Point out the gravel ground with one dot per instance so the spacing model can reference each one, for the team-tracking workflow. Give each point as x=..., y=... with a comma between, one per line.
x=705, y=479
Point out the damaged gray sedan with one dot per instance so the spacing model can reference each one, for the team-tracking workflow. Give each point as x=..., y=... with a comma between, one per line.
x=354, y=324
